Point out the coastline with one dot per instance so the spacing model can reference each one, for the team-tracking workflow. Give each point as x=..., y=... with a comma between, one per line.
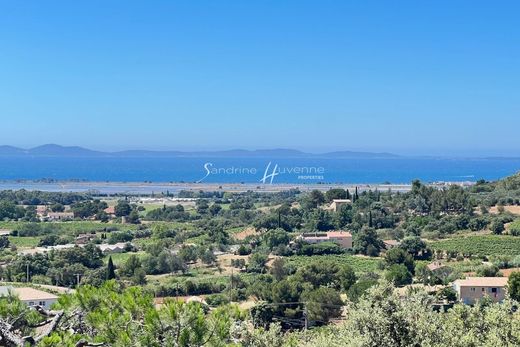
x=147, y=188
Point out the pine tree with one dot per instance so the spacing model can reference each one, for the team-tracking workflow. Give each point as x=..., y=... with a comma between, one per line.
x=111, y=273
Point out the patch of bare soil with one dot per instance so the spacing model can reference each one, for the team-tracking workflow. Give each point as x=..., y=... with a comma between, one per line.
x=509, y=208
x=245, y=233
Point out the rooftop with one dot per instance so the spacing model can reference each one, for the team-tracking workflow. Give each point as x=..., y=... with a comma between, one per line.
x=326, y=235
x=27, y=293
x=483, y=282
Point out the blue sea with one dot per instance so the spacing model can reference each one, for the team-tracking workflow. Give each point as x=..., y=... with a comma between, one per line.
x=252, y=170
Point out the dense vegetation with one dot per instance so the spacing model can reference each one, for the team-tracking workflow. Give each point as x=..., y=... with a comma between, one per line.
x=242, y=248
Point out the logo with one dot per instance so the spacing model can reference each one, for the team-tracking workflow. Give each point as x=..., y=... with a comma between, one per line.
x=271, y=171
x=275, y=173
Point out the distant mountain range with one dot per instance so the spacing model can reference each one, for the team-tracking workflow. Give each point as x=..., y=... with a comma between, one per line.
x=75, y=151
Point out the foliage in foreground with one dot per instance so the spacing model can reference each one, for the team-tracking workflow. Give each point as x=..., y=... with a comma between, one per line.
x=382, y=318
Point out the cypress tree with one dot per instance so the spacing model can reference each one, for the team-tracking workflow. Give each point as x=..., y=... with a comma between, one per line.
x=348, y=194
x=111, y=273
x=370, y=219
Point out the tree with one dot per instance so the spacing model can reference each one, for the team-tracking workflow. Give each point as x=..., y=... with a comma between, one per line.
x=111, y=273
x=399, y=275
x=399, y=256
x=215, y=209
x=423, y=274
x=497, y=227
x=130, y=266
x=275, y=238
x=257, y=262
x=513, y=286
x=347, y=277
x=122, y=208
x=416, y=247
x=208, y=257
x=322, y=304
x=139, y=277
x=366, y=241
x=57, y=207
x=4, y=242
x=358, y=289
x=312, y=200
x=188, y=253
x=335, y=193
x=133, y=217
x=278, y=269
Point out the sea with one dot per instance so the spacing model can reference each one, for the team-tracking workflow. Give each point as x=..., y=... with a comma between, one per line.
x=254, y=169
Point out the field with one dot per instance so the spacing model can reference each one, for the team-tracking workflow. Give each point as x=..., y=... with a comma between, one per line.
x=25, y=242
x=73, y=227
x=120, y=258
x=358, y=263
x=485, y=245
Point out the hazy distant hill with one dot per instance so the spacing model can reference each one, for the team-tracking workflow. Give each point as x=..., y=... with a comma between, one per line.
x=75, y=151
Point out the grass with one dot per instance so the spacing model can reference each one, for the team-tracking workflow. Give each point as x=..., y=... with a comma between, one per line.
x=74, y=227
x=24, y=242
x=514, y=227
x=120, y=258
x=482, y=245
x=359, y=264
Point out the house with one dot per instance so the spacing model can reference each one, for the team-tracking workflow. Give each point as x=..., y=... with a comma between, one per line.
x=110, y=210
x=5, y=232
x=30, y=296
x=436, y=265
x=389, y=244
x=342, y=238
x=111, y=249
x=41, y=210
x=472, y=289
x=337, y=203
x=83, y=239
x=57, y=216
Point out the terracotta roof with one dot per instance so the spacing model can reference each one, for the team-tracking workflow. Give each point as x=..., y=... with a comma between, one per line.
x=435, y=265
x=326, y=235
x=392, y=242
x=483, y=282
x=29, y=294
x=339, y=234
x=110, y=210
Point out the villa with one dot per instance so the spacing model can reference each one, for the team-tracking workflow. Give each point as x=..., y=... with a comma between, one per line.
x=342, y=238
x=30, y=296
x=472, y=289
x=337, y=203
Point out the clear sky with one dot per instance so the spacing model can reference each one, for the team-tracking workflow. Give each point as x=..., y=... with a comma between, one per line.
x=410, y=77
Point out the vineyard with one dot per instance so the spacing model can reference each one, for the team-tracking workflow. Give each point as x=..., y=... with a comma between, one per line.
x=487, y=245
x=359, y=264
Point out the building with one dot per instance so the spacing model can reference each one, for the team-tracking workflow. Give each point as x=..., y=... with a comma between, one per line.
x=472, y=289
x=342, y=238
x=110, y=210
x=337, y=203
x=82, y=239
x=389, y=244
x=30, y=296
x=57, y=216
x=111, y=249
x=41, y=210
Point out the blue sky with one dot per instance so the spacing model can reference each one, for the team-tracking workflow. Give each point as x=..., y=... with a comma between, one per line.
x=411, y=77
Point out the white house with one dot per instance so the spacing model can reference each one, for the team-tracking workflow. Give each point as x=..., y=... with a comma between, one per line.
x=30, y=296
